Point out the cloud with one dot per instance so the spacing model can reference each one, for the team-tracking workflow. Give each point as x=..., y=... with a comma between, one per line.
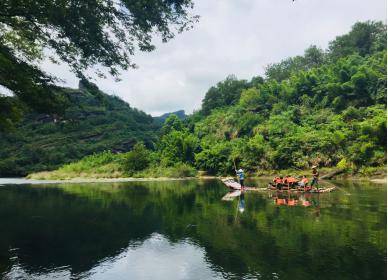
x=232, y=37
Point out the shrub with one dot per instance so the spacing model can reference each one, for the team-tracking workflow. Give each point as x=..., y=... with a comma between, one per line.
x=138, y=159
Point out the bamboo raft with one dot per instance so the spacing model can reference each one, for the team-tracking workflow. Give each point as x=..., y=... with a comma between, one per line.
x=233, y=185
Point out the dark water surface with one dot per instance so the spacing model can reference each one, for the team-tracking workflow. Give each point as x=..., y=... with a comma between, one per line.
x=184, y=230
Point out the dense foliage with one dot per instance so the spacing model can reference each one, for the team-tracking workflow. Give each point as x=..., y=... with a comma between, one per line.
x=93, y=122
x=137, y=159
x=326, y=108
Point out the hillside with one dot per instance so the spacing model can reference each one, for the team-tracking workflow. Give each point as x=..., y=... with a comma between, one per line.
x=93, y=122
x=325, y=108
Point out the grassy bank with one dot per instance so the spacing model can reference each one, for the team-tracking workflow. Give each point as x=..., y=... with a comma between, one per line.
x=108, y=165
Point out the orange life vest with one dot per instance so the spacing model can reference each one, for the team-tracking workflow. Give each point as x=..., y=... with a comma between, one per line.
x=277, y=180
x=291, y=180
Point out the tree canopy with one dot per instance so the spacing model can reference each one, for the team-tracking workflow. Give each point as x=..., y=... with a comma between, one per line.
x=364, y=39
x=82, y=34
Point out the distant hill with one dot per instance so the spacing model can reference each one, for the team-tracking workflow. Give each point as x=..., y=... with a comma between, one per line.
x=93, y=122
x=180, y=114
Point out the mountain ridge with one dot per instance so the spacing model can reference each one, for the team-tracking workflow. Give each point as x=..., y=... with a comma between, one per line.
x=181, y=114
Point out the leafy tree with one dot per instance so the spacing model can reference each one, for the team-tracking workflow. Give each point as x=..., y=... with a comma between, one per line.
x=215, y=159
x=365, y=38
x=177, y=146
x=313, y=57
x=250, y=99
x=258, y=100
x=10, y=112
x=172, y=123
x=256, y=81
x=226, y=93
x=81, y=34
x=137, y=159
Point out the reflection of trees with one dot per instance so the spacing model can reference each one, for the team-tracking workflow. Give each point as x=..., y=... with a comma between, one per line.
x=297, y=237
x=79, y=225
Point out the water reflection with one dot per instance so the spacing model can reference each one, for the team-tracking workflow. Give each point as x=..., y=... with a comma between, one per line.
x=183, y=230
x=241, y=203
x=154, y=258
x=279, y=198
x=295, y=199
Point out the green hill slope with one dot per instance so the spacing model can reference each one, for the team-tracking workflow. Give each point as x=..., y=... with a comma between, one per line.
x=333, y=114
x=92, y=123
x=325, y=108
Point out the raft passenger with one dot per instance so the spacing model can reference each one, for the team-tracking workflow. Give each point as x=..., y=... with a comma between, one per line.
x=280, y=184
x=275, y=182
x=292, y=181
x=303, y=182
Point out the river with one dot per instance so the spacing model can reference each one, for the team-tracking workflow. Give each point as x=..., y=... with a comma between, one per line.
x=185, y=230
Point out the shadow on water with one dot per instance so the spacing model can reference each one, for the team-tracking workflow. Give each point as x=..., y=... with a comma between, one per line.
x=183, y=229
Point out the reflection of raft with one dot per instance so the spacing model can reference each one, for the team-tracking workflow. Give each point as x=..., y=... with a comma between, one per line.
x=231, y=195
x=233, y=185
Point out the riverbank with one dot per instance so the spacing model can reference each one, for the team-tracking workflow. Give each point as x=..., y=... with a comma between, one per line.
x=374, y=174
x=22, y=181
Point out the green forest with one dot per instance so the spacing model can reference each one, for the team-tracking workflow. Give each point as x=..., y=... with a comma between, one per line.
x=325, y=108
x=92, y=123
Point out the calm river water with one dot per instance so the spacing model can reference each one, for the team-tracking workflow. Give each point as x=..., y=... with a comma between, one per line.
x=184, y=230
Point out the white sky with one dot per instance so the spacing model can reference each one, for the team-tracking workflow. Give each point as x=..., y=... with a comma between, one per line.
x=233, y=37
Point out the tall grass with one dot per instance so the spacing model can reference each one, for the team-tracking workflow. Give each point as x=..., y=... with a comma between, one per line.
x=109, y=165
x=102, y=165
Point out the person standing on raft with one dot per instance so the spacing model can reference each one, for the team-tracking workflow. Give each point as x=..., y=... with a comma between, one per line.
x=240, y=175
x=315, y=174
